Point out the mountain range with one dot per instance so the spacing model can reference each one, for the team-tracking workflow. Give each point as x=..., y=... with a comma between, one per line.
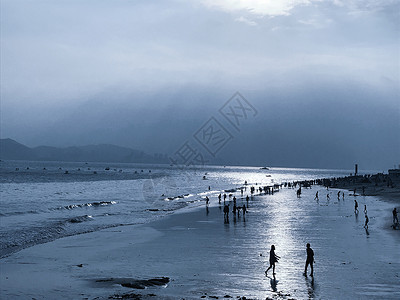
x=12, y=150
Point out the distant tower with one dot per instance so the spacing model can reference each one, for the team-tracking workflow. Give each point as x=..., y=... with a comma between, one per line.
x=355, y=170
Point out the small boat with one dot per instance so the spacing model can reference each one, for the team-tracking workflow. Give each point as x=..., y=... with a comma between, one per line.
x=264, y=168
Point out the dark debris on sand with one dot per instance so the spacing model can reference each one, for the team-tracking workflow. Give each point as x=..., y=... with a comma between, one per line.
x=135, y=283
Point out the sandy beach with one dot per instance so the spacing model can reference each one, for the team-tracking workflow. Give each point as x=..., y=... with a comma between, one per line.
x=203, y=258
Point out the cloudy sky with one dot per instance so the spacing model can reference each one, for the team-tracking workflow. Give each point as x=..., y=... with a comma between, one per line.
x=322, y=74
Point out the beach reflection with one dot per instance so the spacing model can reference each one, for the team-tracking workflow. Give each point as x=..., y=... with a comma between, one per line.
x=310, y=287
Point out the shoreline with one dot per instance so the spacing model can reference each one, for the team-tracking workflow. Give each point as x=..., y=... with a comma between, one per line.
x=200, y=255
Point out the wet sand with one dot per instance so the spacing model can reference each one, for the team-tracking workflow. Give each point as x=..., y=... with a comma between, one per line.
x=205, y=258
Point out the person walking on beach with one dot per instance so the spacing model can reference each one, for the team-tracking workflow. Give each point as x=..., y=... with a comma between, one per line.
x=328, y=197
x=343, y=196
x=338, y=195
x=366, y=222
x=355, y=207
x=207, y=200
x=273, y=258
x=309, y=261
x=219, y=198
x=224, y=197
x=316, y=196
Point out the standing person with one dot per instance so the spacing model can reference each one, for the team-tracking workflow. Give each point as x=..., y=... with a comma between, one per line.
x=343, y=196
x=309, y=261
x=207, y=200
x=316, y=196
x=355, y=207
x=226, y=213
x=219, y=198
x=328, y=197
x=224, y=197
x=338, y=195
x=395, y=219
x=273, y=258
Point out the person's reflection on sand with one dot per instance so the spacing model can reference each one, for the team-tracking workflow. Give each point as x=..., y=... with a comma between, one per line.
x=310, y=288
x=273, y=283
x=366, y=231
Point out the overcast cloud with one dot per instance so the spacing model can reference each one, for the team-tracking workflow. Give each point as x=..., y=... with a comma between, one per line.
x=324, y=76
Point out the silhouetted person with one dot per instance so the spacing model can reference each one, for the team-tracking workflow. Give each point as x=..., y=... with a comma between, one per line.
x=338, y=195
x=395, y=219
x=343, y=195
x=309, y=260
x=355, y=206
x=316, y=196
x=207, y=200
x=226, y=213
x=273, y=258
x=219, y=198
x=224, y=197
x=328, y=197
x=366, y=222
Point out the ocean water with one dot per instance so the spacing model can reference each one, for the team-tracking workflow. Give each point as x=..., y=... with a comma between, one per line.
x=44, y=201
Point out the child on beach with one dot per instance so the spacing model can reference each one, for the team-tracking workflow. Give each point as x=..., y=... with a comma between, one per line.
x=273, y=258
x=309, y=260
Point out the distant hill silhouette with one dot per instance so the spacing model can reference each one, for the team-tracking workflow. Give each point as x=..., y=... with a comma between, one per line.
x=12, y=150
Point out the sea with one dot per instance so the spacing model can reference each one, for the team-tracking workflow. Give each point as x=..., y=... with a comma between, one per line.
x=43, y=201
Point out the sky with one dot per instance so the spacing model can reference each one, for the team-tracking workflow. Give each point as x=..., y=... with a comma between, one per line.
x=323, y=77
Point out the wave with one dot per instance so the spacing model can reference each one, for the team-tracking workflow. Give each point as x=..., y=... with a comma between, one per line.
x=91, y=204
x=16, y=213
x=80, y=219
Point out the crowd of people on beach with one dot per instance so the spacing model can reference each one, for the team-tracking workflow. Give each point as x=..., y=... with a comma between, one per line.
x=237, y=210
